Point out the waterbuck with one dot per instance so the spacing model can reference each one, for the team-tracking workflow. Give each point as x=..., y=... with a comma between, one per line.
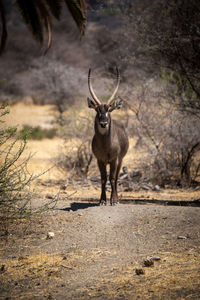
x=110, y=141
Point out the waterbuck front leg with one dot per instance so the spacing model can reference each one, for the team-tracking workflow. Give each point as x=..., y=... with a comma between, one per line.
x=113, y=173
x=102, y=169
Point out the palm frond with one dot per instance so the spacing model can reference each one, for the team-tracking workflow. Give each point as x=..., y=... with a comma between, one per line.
x=30, y=14
x=46, y=18
x=37, y=15
x=77, y=9
x=3, y=29
x=55, y=7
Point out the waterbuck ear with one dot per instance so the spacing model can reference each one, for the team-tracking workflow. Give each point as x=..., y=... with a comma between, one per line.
x=91, y=103
x=117, y=104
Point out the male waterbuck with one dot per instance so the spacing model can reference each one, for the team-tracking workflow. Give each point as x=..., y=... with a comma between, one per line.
x=110, y=141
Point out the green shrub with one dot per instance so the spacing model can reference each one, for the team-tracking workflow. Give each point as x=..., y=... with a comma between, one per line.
x=38, y=133
x=15, y=195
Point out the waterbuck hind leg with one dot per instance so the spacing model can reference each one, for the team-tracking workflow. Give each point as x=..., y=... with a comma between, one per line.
x=103, y=172
x=113, y=172
x=116, y=177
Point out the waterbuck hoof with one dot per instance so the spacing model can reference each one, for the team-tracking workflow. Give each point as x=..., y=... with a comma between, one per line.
x=113, y=203
x=102, y=203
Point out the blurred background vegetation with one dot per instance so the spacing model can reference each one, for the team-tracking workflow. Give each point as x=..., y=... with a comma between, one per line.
x=155, y=44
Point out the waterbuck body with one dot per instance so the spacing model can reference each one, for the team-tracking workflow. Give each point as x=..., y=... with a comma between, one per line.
x=110, y=142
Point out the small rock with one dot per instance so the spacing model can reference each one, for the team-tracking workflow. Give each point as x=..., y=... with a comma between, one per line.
x=155, y=258
x=148, y=262
x=63, y=187
x=125, y=170
x=139, y=271
x=95, y=178
x=145, y=187
x=182, y=237
x=128, y=189
x=49, y=196
x=50, y=235
x=156, y=188
x=136, y=173
x=45, y=183
x=124, y=176
x=3, y=268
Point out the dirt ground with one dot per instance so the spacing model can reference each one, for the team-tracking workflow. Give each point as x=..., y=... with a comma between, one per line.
x=98, y=252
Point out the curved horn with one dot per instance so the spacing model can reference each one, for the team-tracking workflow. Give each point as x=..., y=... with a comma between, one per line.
x=116, y=89
x=91, y=89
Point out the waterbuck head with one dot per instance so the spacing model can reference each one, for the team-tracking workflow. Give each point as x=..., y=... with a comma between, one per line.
x=103, y=111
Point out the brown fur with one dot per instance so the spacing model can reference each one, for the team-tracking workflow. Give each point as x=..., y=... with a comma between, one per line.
x=109, y=146
x=110, y=141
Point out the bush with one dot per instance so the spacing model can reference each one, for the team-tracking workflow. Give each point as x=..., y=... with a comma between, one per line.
x=15, y=195
x=38, y=133
x=79, y=160
x=171, y=139
x=76, y=156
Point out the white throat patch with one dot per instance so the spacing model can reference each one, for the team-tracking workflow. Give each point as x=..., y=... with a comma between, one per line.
x=102, y=130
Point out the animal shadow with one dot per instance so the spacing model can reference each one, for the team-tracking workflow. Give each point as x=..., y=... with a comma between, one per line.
x=79, y=205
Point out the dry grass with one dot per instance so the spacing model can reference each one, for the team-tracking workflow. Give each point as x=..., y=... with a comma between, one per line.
x=32, y=115
x=46, y=151
x=18, y=269
x=173, y=273
x=42, y=264
x=168, y=278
